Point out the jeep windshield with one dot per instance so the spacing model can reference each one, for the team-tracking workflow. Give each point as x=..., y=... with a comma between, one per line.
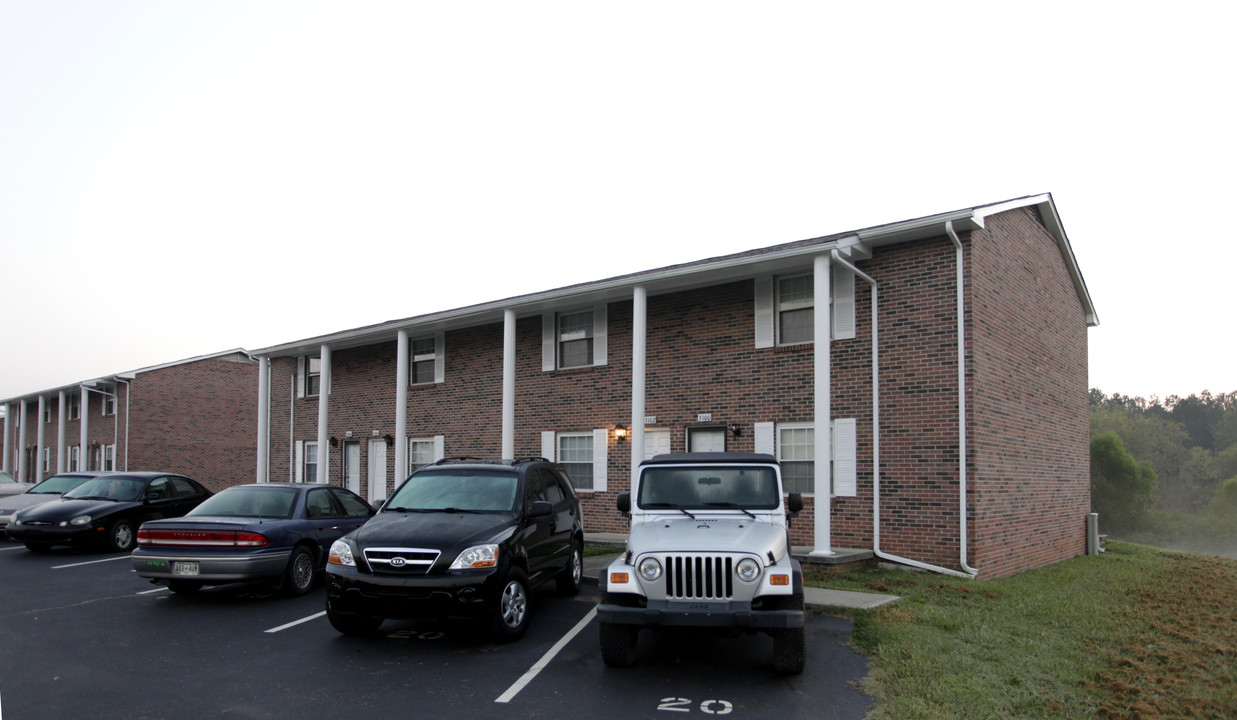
x=463, y=490
x=708, y=488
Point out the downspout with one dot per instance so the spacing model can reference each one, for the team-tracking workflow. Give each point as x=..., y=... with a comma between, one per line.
x=962, y=529
x=876, y=469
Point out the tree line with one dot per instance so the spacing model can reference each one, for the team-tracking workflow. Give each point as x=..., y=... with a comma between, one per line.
x=1166, y=468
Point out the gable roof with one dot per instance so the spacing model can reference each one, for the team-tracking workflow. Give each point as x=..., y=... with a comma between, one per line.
x=700, y=273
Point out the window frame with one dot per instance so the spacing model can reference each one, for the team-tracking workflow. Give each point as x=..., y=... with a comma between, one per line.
x=809, y=463
x=586, y=441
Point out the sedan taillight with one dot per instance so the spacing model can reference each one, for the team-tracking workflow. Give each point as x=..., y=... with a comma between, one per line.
x=201, y=538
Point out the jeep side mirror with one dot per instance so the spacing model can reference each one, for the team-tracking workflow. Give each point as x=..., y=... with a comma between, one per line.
x=624, y=503
x=540, y=508
x=795, y=503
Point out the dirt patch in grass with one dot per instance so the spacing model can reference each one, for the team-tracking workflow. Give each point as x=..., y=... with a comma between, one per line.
x=1176, y=658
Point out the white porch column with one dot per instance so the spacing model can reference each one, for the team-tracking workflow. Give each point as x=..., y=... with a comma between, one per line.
x=401, y=406
x=639, y=370
x=83, y=450
x=21, y=445
x=5, y=461
x=508, y=439
x=263, y=472
x=823, y=481
x=42, y=436
x=324, y=402
x=61, y=440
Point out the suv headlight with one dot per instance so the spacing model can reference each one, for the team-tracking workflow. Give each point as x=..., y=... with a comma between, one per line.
x=748, y=570
x=341, y=554
x=649, y=569
x=477, y=556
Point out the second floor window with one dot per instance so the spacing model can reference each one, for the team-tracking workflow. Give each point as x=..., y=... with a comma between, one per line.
x=75, y=406
x=575, y=339
x=424, y=355
x=109, y=400
x=313, y=375
x=795, y=316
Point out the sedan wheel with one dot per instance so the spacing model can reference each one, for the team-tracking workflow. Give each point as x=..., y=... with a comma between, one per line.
x=299, y=576
x=121, y=537
x=511, y=613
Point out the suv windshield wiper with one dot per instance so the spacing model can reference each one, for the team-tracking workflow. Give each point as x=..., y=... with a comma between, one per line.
x=732, y=506
x=668, y=506
x=431, y=510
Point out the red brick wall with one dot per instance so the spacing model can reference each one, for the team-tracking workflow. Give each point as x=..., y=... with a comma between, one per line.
x=197, y=418
x=1028, y=399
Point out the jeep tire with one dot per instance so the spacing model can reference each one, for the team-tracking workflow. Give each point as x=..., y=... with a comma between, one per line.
x=618, y=644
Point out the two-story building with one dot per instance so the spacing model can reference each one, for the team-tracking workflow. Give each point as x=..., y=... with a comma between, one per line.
x=194, y=417
x=923, y=383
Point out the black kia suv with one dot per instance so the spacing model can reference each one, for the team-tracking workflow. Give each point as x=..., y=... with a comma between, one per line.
x=460, y=537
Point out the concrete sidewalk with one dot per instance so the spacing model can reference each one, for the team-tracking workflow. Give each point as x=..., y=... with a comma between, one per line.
x=813, y=597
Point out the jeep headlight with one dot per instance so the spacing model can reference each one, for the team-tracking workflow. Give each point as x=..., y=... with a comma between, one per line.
x=748, y=570
x=477, y=556
x=341, y=554
x=649, y=569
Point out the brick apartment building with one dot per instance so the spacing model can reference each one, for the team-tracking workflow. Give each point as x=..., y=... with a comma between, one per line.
x=194, y=417
x=731, y=353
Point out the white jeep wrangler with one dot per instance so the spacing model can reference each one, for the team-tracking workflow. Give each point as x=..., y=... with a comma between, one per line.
x=709, y=546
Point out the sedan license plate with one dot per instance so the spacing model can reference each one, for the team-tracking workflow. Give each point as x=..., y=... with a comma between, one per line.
x=184, y=568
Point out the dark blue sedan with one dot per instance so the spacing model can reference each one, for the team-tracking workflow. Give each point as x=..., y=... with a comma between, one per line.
x=276, y=532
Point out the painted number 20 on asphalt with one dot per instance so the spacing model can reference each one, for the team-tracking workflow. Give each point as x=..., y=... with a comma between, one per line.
x=708, y=707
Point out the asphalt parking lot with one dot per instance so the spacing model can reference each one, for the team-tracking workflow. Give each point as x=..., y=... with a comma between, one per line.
x=83, y=637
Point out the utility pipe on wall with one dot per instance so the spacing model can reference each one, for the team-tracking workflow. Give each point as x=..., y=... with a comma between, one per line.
x=953, y=236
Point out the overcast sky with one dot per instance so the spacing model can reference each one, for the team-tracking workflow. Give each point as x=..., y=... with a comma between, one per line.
x=182, y=178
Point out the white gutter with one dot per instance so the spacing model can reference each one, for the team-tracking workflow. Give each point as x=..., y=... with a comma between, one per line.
x=876, y=468
x=962, y=529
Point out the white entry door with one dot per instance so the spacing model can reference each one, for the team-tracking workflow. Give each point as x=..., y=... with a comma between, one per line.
x=377, y=470
x=352, y=466
x=656, y=442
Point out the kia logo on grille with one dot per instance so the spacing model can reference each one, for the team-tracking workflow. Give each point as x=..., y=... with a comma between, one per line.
x=398, y=562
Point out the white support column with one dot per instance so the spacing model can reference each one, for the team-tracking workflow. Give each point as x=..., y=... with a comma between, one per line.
x=263, y=471
x=639, y=371
x=823, y=481
x=42, y=436
x=401, y=406
x=61, y=440
x=324, y=402
x=21, y=445
x=508, y=438
x=8, y=435
x=83, y=453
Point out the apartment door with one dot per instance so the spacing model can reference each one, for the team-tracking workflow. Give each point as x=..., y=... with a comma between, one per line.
x=377, y=470
x=656, y=442
x=706, y=439
x=352, y=466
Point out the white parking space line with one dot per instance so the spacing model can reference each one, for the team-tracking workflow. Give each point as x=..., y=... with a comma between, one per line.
x=15, y=547
x=149, y=592
x=294, y=623
x=545, y=659
x=89, y=562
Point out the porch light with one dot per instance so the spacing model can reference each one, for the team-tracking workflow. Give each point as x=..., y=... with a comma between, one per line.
x=620, y=433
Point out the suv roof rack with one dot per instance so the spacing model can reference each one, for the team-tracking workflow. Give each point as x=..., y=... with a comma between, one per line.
x=710, y=457
x=467, y=459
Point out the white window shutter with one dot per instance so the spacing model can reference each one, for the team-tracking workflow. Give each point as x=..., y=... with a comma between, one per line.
x=764, y=312
x=440, y=448
x=549, y=343
x=600, y=436
x=440, y=345
x=764, y=437
x=300, y=461
x=548, y=445
x=845, y=457
x=300, y=376
x=600, y=337
x=843, y=304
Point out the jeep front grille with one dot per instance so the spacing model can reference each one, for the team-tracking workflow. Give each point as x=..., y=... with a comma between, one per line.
x=700, y=576
x=408, y=561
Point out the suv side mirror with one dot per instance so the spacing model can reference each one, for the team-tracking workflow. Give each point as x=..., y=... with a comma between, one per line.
x=540, y=508
x=624, y=503
x=795, y=503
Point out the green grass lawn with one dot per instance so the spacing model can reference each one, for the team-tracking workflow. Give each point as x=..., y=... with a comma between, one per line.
x=1134, y=633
